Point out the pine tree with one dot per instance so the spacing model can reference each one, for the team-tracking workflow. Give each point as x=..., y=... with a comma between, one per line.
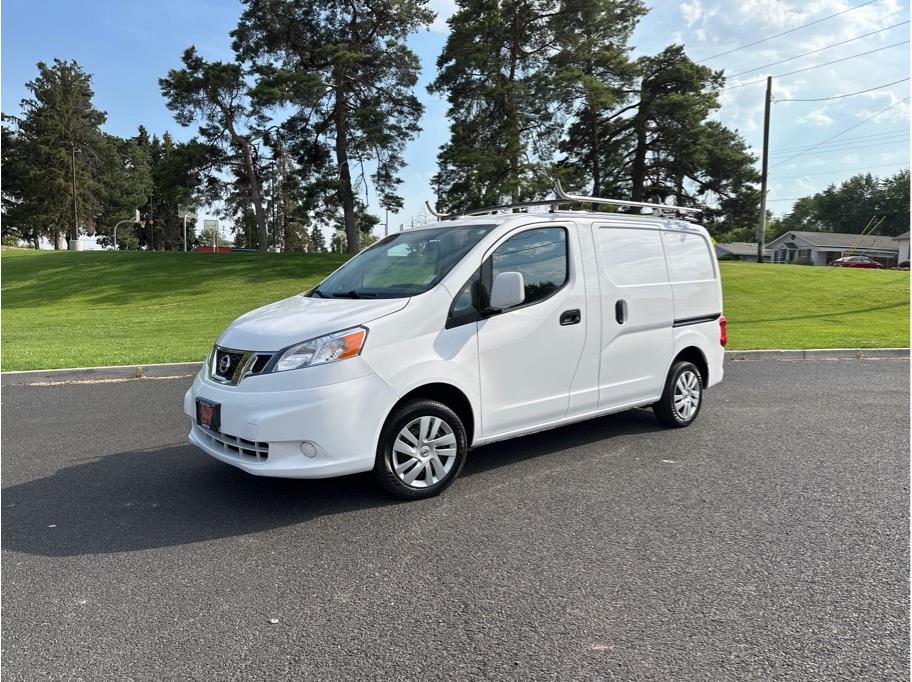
x=317, y=240
x=58, y=133
x=348, y=71
x=494, y=73
x=657, y=141
x=218, y=95
x=126, y=180
x=594, y=77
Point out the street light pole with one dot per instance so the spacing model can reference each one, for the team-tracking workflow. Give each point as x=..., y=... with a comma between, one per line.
x=185, y=232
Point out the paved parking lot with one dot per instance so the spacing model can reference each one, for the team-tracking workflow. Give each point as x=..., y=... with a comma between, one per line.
x=770, y=540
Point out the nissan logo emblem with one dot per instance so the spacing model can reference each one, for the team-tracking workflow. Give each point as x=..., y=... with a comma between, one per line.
x=224, y=364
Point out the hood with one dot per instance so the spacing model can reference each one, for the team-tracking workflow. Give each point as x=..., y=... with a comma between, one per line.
x=292, y=320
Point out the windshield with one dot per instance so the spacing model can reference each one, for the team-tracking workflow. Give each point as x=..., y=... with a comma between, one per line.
x=402, y=264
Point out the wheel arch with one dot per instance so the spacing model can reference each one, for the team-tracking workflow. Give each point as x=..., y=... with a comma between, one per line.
x=449, y=395
x=695, y=355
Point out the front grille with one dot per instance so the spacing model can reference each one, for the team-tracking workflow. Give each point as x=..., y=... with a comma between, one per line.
x=233, y=445
x=262, y=359
x=226, y=363
x=229, y=366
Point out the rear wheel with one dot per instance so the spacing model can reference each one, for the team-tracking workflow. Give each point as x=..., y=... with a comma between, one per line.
x=683, y=396
x=421, y=451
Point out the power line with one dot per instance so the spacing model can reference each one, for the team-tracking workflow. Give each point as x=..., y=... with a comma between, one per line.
x=846, y=148
x=859, y=138
x=805, y=54
x=847, y=142
x=843, y=170
x=837, y=147
x=791, y=30
x=842, y=132
x=848, y=94
x=816, y=66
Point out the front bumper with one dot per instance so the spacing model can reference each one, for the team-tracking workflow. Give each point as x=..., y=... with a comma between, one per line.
x=261, y=431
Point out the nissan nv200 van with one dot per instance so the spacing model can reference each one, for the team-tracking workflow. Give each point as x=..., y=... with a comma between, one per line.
x=468, y=331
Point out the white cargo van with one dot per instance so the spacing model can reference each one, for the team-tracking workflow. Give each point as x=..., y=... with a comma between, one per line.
x=472, y=330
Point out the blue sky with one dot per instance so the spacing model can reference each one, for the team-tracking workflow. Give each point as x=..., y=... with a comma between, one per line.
x=127, y=45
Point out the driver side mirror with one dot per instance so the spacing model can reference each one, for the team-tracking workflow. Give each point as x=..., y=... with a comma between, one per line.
x=508, y=290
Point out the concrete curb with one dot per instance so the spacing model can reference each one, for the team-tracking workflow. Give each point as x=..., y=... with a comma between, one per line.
x=819, y=354
x=188, y=369
x=100, y=374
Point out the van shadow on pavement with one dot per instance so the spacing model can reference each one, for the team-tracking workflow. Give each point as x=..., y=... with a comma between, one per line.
x=171, y=496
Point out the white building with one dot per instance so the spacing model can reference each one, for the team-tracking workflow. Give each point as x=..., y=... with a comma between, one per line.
x=903, y=242
x=740, y=251
x=822, y=248
x=86, y=243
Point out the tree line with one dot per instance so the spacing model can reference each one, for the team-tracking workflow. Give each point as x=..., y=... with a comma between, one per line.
x=305, y=128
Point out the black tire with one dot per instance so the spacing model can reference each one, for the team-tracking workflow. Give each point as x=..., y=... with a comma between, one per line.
x=665, y=410
x=428, y=481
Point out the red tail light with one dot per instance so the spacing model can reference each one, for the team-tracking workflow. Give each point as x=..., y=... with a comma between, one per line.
x=723, y=331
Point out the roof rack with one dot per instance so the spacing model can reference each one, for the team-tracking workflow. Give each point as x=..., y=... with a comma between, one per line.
x=561, y=197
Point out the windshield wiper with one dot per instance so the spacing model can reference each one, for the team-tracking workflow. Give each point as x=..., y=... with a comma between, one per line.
x=354, y=293
x=316, y=292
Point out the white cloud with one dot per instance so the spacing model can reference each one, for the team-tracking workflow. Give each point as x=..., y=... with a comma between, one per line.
x=773, y=12
x=724, y=27
x=898, y=112
x=817, y=117
x=692, y=11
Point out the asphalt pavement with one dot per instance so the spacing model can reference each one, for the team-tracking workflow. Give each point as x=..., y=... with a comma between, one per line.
x=767, y=541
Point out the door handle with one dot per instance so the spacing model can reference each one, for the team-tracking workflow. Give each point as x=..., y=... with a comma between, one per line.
x=620, y=311
x=570, y=317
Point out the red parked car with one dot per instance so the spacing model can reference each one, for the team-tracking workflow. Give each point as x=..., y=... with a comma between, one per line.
x=856, y=262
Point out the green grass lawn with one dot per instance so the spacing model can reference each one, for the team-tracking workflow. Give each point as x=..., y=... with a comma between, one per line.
x=68, y=309
x=65, y=309
x=799, y=306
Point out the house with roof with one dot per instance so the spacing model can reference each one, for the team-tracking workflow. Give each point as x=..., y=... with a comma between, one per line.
x=822, y=248
x=903, y=242
x=740, y=251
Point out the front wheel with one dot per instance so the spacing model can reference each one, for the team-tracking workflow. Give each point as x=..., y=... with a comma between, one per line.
x=682, y=398
x=421, y=451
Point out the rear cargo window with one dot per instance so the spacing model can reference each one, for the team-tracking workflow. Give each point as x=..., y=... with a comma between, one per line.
x=689, y=257
x=631, y=257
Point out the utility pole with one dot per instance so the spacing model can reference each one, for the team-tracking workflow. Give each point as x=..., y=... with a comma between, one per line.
x=761, y=229
x=75, y=216
x=386, y=224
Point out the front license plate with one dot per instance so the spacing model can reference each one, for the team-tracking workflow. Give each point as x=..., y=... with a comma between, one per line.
x=208, y=414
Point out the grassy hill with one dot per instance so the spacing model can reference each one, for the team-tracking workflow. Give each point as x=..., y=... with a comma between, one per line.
x=65, y=309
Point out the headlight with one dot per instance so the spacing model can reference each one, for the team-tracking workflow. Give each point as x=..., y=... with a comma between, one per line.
x=337, y=346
